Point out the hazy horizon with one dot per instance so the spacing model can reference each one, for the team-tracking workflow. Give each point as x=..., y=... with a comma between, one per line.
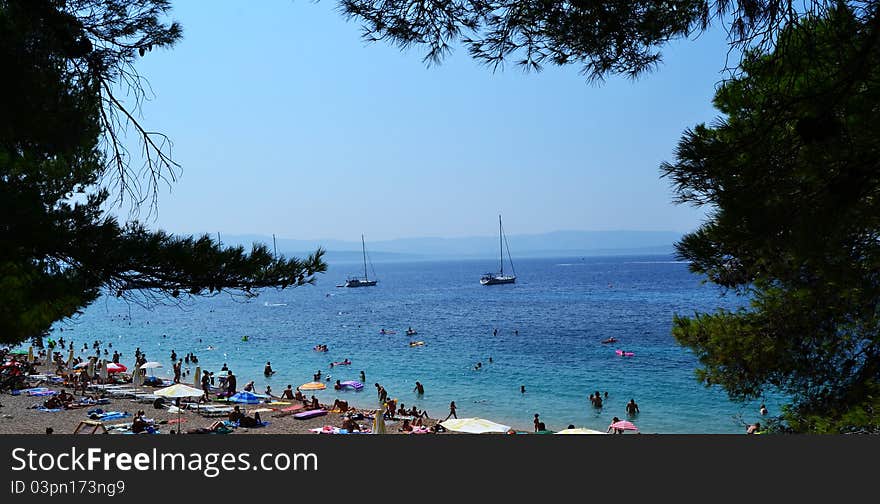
x=550, y=244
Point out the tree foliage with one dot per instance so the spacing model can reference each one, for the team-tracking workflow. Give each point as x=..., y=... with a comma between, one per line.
x=792, y=175
x=58, y=142
x=604, y=37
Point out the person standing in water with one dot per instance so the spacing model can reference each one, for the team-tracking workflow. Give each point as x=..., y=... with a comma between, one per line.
x=632, y=408
x=419, y=388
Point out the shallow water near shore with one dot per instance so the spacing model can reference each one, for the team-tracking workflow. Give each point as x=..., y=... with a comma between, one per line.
x=550, y=327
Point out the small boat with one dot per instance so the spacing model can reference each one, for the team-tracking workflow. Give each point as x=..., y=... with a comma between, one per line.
x=365, y=281
x=500, y=277
x=610, y=340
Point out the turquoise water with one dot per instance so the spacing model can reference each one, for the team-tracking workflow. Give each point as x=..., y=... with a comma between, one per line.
x=562, y=308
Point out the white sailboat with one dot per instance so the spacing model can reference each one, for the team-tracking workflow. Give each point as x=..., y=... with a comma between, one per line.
x=500, y=277
x=357, y=281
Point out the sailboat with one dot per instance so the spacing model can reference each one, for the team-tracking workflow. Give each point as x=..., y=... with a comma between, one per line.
x=500, y=277
x=360, y=282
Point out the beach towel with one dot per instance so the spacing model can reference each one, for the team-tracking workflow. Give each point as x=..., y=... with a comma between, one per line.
x=329, y=429
x=204, y=430
x=50, y=410
x=28, y=390
x=40, y=393
x=236, y=424
x=109, y=415
x=149, y=430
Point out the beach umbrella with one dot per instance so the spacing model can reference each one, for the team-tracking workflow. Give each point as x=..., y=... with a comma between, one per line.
x=197, y=378
x=70, y=359
x=474, y=425
x=81, y=365
x=623, y=425
x=114, y=367
x=151, y=366
x=90, y=368
x=580, y=431
x=379, y=423
x=30, y=355
x=312, y=386
x=178, y=390
x=246, y=398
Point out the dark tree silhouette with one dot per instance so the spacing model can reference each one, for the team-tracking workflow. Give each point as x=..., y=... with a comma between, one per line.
x=792, y=175
x=61, y=143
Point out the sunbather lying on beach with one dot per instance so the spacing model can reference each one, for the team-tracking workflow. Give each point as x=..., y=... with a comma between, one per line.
x=140, y=422
x=350, y=425
x=243, y=420
x=406, y=427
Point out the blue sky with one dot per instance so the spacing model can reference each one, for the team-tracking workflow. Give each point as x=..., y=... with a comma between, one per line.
x=286, y=122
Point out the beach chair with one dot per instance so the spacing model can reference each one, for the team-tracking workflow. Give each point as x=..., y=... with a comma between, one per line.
x=215, y=411
x=145, y=397
x=123, y=392
x=84, y=425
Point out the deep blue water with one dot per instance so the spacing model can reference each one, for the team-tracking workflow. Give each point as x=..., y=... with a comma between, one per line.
x=562, y=308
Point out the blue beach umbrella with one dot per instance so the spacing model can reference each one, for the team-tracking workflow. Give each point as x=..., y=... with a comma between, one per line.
x=246, y=398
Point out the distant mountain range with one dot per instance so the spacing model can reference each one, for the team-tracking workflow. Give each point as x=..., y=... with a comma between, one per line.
x=553, y=244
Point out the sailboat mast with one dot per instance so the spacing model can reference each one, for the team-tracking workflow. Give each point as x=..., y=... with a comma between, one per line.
x=364, y=249
x=500, y=245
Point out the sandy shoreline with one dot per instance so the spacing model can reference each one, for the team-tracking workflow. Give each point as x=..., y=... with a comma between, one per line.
x=18, y=415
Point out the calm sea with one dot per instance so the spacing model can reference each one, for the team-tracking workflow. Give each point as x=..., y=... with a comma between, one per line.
x=550, y=325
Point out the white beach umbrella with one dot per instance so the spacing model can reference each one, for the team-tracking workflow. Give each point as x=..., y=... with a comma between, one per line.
x=179, y=390
x=474, y=425
x=151, y=366
x=197, y=378
x=176, y=391
x=580, y=431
